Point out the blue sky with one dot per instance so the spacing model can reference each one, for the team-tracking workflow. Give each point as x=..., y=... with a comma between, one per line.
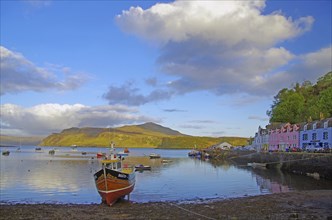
x=205, y=68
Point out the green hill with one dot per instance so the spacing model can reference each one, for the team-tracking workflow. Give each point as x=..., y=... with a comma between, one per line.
x=145, y=135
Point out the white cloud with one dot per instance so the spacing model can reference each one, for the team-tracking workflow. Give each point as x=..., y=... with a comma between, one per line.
x=38, y=3
x=221, y=46
x=45, y=119
x=18, y=74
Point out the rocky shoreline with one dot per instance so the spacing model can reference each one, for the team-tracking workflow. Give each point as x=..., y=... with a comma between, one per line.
x=302, y=163
x=315, y=204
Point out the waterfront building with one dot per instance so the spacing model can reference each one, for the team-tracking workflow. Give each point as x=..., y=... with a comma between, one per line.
x=284, y=138
x=261, y=140
x=316, y=135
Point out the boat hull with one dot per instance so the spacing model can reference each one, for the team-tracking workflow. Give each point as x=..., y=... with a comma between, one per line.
x=112, y=184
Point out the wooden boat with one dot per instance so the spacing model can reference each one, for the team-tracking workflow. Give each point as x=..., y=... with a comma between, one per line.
x=142, y=167
x=126, y=150
x=6, y=153
x=114, y=181
x=154, y=156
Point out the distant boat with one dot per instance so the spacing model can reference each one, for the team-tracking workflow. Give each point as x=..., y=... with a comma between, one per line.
x=126, y=150
x=142, y=167
x=114, y=181
x=194, y=153
x=165, y=161
x=6, y=153
x=154, y=156
x=100, y=155
x=122, y=154
x=52, y=152
x=38, y=148
x=83, y=153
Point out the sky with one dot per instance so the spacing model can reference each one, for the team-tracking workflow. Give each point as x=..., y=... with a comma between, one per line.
x=204, y=68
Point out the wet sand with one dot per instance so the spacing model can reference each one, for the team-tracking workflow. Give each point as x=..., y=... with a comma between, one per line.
x=291, y=205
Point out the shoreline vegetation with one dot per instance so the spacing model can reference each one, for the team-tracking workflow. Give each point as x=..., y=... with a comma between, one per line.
x=316, y=204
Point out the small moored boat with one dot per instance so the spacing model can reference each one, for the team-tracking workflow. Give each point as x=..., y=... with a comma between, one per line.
x=6, y=153
x=142, y=167
x=114, y=181
x=154, y=156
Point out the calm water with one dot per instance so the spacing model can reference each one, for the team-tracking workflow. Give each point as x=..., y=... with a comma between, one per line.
x=67, y=177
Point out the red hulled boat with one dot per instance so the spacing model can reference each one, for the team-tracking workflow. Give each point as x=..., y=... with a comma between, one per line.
x=114, y=181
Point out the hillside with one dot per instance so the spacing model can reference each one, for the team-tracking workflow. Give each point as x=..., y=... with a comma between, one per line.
x=144, y=135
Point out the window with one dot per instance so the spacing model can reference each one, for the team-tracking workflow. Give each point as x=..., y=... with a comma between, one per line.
x=305, y=127
x=314, y=126
x=305, y=137
x=314, y=136
x=325, y=135
x=325, y=124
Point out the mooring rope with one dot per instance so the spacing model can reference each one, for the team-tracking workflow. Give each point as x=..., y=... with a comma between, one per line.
x=195, y=213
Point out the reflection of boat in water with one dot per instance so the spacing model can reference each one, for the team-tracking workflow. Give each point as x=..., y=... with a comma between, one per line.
x=114, y=181
x=154, y=156
x=6, y=153
x=165, y=161
x=142, y=167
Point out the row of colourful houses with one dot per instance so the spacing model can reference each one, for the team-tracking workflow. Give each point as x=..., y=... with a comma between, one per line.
x=311, y=136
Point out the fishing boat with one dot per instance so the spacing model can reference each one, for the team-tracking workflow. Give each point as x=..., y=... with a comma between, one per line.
x=154, y=156
x=114, y=180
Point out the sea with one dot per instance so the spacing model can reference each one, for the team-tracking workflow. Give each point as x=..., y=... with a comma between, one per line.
x=30, y=176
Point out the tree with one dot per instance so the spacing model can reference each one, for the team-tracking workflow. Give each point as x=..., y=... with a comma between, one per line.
x=303, y=101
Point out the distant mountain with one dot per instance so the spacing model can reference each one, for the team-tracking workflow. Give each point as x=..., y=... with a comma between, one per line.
x=6, y=140
x=144, y=135
x=158, y=128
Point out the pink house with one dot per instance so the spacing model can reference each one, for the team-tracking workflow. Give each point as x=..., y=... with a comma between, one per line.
x=284, y=138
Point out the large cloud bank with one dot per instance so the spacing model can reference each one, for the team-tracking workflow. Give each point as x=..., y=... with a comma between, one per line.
x=45, y=119
x=225, y=47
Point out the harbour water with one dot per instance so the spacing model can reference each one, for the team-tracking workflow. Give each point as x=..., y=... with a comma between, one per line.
x=35, y=176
